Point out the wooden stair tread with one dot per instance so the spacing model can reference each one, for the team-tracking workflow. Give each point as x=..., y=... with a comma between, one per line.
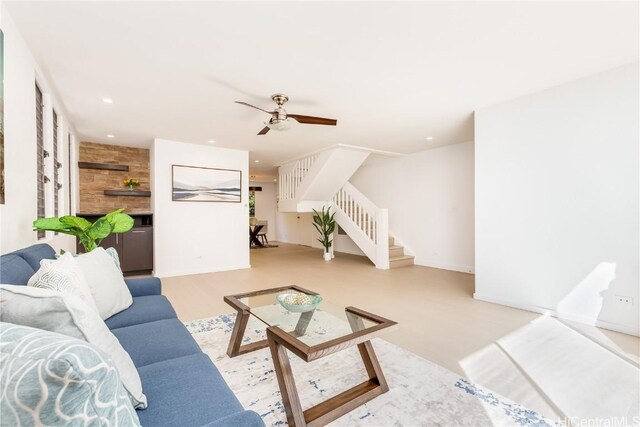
x=401, y=258
x=401, y=261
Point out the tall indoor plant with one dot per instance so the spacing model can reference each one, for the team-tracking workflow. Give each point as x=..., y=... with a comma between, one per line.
x=325, y=224
x=90, y=234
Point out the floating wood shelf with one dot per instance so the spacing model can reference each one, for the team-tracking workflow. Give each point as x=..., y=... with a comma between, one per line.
x=107, y=166
x=138, y=193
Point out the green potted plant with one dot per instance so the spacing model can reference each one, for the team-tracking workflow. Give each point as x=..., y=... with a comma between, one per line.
x=325, y=224
x=90, y=234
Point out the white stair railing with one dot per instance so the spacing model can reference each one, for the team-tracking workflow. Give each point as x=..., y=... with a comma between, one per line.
x=364, y=222
x=292, y=174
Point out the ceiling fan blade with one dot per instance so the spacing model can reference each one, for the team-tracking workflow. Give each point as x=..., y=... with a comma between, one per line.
x=263, y=131
x=253, y=106
x=312, y=120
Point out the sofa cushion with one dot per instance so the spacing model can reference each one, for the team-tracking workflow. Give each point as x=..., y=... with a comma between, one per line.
x=36, y=253
x=143, y=310
x=156, y=341
x=143, y=286
x=188, y=391
x=53, y=379
x=14, y=270
x=239, y=419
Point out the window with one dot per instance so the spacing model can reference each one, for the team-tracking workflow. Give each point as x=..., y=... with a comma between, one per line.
x=41, y=153
x=69, y=171
x=252, y=204
x=252, y=200
x=56, y=166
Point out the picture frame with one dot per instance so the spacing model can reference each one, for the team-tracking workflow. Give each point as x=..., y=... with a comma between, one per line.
x=203, y=184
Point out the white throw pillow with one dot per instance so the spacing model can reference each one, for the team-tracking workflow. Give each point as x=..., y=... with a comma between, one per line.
x=114, y=254
x=105, y=280
x=66, y=314
x=64, y=275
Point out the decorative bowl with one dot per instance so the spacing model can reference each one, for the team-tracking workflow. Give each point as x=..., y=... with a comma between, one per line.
x=299, y=302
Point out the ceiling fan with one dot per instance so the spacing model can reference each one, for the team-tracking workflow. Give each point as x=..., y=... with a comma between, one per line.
x=279, y=116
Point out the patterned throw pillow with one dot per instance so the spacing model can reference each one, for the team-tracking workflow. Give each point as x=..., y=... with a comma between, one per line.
x=61, y=313
x=52, y=379
x=63, y=275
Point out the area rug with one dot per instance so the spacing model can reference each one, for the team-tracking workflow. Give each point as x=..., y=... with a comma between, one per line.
x=421, y=392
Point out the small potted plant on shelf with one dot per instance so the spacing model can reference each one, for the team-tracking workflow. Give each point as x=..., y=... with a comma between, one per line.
x=90, y=234
x=131, y=183
x=325, y=224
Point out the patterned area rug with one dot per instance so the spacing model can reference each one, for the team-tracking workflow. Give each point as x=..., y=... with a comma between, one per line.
x=421, y=393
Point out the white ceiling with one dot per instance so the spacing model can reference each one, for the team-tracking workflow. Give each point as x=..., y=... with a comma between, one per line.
x=391, y=73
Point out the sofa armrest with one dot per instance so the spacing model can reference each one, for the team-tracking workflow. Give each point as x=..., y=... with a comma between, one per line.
x=240, y=419
x=144, y=286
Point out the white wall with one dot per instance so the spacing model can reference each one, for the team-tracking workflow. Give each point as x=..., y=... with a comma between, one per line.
x=557, y=206
x=197, y=237
x=295, y=228
x=266, y=207
x=343, y=243
x=430, y=200
x=20, y=209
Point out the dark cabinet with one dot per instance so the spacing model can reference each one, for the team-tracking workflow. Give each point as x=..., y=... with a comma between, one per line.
x=135, y=248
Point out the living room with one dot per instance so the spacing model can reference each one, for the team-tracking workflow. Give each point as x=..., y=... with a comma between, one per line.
x=479, y=160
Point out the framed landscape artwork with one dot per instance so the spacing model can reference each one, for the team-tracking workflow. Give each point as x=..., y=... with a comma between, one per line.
x=198, y=184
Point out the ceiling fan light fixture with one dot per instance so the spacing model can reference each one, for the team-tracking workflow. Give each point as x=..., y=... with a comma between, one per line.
x=279, y=125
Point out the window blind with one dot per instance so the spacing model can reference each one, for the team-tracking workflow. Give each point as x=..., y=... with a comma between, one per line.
x=40, y=155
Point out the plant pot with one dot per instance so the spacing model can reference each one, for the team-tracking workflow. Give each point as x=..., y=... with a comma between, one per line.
x=327, y=256
x=131, y=187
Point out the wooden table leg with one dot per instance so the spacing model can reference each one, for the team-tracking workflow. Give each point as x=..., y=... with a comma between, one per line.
x=334, y=407
x=303, y=322
x=239, y=327
x=253, y=235
x=235, y=342
x=288, y=389
x=369, y=357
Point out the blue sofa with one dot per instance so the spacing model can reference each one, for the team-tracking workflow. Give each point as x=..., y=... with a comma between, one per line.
x=182, y=385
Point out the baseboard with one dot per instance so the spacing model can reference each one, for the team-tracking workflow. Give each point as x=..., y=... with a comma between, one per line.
x=617, y=327
x=175, y=273
x=443, y=266
x=293, y=243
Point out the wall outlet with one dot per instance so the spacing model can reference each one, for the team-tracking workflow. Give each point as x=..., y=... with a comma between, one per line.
x=624, y=299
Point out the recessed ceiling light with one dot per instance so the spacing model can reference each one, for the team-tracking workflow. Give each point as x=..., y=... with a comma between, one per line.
x=256, y=161
x=107, y=100
x=211, y=141
x=429, y=138
x=111, y=136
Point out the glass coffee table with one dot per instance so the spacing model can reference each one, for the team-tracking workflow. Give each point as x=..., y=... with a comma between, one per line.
x=311, y=335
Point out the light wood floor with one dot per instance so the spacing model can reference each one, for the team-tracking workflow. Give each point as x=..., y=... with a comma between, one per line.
x=438, y=317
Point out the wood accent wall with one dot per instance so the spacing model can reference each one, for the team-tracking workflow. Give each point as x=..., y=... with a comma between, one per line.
x=93, y=182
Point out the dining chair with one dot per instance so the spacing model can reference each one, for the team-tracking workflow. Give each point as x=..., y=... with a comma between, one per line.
x=262, y=235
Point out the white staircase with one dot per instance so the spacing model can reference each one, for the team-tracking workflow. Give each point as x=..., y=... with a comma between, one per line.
x=322, y=180
x=308, y=182
x=364, y=222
